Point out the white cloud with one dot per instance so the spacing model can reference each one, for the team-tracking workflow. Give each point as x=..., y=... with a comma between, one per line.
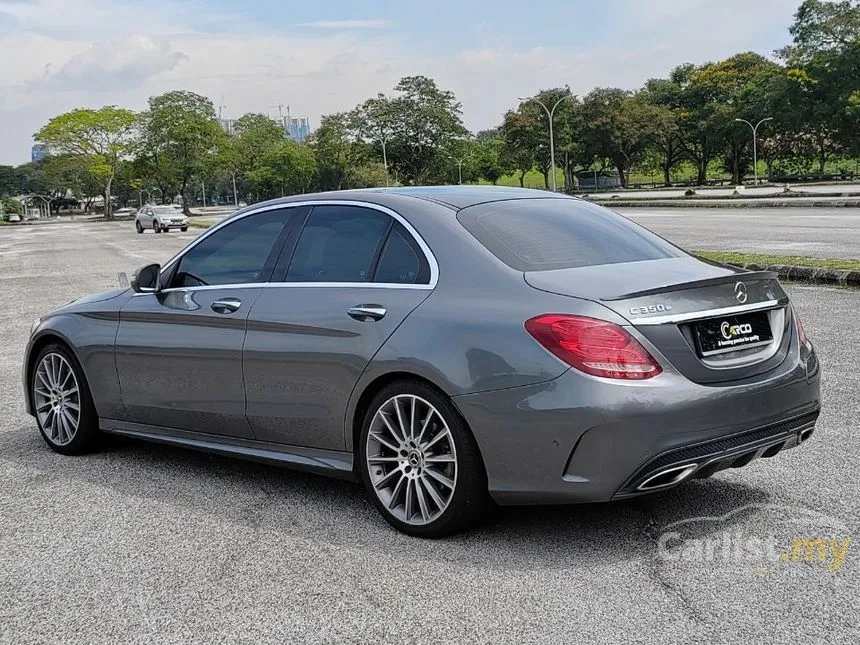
x=114, y=65
x=347, y=24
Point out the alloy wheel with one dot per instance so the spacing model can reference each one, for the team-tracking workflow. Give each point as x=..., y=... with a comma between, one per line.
x=57, y=399
x=411, y=459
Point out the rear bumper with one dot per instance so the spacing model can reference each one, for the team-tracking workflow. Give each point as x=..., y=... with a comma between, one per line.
x=698, y=461
x=583, y=439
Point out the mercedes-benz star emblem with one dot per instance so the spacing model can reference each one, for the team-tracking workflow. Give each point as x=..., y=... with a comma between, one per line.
x=741, y=292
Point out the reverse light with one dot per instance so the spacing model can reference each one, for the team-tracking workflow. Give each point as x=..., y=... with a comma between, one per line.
x=593, y=346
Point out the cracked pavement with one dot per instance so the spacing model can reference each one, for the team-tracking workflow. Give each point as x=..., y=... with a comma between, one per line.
x=144, y=543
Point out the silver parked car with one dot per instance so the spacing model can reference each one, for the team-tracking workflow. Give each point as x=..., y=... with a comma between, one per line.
x=446, y=346
x=160, y=219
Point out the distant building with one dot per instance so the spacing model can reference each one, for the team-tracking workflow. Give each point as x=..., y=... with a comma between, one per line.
x=297, y=128
x=38, y=152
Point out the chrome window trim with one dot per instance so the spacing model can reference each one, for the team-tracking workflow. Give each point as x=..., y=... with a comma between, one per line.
x=428, y=254
x=707, y=313
x=281, y=285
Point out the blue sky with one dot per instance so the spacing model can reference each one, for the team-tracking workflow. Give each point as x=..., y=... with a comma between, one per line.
x=325, y=57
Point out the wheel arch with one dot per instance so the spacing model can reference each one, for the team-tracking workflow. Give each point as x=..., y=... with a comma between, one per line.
x=362, y=403
x=37, y=345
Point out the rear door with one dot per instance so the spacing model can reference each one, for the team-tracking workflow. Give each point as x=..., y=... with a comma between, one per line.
x=144, y=216
x=179, y=351
x=347, y=278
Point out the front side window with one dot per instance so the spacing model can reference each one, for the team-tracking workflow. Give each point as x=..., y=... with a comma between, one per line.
x=338, y=244
x=239, y=253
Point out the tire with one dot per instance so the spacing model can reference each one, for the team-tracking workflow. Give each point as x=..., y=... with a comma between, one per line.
x=138, y=227
x=156, y=227
x=165, y=229
x=183, y=228
x=447, y=494
x=55, y=414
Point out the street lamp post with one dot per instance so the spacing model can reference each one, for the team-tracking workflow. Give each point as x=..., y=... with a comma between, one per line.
x=459, y=170
x=235, y=196
x=385, y=161
x=459, y=161
x=755, y=143
x=550, y=113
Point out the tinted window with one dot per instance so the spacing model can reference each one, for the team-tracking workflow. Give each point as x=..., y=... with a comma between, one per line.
x=338, y=244
x=402, y=261
x=545, y=234
x=235, y=254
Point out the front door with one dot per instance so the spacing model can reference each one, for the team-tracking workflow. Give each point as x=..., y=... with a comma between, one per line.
x=179, y=352
x=354, y=275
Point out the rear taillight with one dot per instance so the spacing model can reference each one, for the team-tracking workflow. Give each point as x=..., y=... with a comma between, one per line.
x=593, y=346
x=801, y=332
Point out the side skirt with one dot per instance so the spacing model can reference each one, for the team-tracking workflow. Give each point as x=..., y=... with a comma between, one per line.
x=324, y=462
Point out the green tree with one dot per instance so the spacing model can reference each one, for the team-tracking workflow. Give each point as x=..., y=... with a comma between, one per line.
x=182, y=132
x=373, y=122
x=520, y=130
x=619, y=127
x=255, y=135
x=284, y=169
x=333, y=145
x=425, y=120
x=738, y=87
x=665, y=95
x=11, y=181
x=822, y=27
x=486, y=159
x=102, y=139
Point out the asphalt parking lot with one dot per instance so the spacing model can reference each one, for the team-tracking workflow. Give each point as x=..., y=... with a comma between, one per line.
x=143, y=544
x=814, y=232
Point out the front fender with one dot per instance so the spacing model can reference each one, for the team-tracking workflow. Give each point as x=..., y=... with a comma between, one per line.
x=90, y=336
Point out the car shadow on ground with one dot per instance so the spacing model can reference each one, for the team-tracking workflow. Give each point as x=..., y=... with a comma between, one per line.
x=296, y=505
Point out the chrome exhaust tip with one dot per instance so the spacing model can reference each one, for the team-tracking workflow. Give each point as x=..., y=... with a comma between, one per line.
x=668, y=477
x=805, y=434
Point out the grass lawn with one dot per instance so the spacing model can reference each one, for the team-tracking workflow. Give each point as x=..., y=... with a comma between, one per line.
x=732, y=257
x=205, y=223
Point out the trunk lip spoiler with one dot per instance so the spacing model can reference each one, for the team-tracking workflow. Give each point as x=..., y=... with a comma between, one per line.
x=695, y=284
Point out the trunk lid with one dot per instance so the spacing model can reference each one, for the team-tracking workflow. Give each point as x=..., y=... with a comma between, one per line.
x=713, y=323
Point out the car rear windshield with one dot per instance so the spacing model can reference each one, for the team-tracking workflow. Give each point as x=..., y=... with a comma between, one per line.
x=554, y=233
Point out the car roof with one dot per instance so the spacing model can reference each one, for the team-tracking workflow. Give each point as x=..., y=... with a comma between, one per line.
x=459, y=197
x=453, y=197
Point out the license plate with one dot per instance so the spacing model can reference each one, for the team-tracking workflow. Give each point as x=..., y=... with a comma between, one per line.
x=731, y=333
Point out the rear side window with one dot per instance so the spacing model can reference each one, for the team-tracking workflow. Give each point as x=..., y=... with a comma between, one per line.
x=547, y=234
x=338, y=244
x=402, y=261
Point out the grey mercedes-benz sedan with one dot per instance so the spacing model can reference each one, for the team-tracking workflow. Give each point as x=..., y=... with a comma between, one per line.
x=447, y=346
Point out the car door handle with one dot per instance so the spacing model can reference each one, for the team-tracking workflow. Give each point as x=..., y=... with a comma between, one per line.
x=367, y=313
x=226, y=305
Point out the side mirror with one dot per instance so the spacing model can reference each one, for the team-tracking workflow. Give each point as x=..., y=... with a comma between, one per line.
x=147, y=279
